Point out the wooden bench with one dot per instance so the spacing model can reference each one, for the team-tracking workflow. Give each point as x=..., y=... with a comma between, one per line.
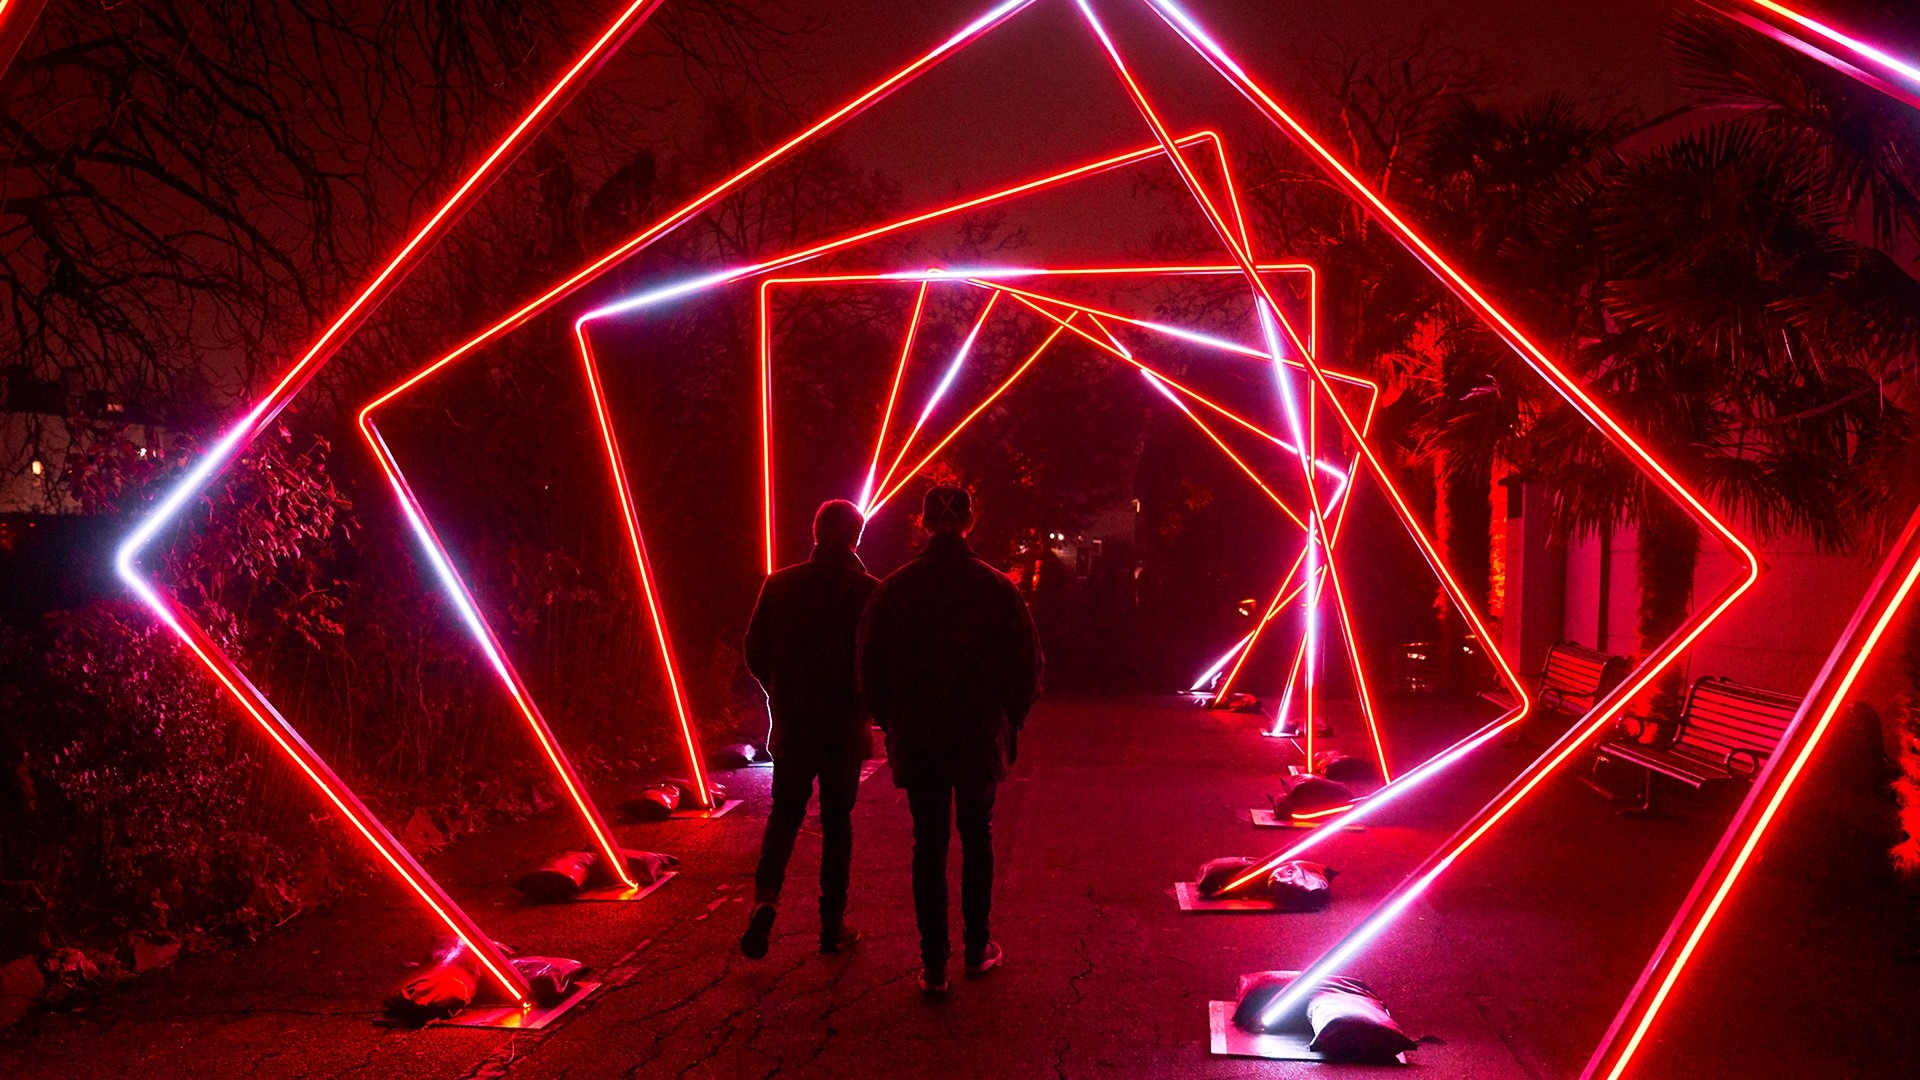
x=1573, y=679
x=1726, y=729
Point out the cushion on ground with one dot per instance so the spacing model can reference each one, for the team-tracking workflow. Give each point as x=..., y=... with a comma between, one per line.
x=1309, y=794
x=655, y=802
x=442, y=986
x=1216, y=873
x=550, y=978
x=1351, y=1023
x=690, y=791
x=561, y=878
x=646, y=867
x=1347, y=769
x=1258, y=989
x=1298, y=885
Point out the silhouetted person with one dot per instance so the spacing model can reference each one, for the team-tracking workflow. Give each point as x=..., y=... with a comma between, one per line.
x=800, y=645
x=949, y=665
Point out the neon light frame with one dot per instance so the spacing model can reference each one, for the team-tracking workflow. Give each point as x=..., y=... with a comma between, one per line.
x=1891, y=590
x=1237, y=77
x=877, y=499
x=1282, y=595
x=617, y=472
x=1163, y=383
x=1862, y=62
x=1650, y=668
x=442, y=560
x=178, y=619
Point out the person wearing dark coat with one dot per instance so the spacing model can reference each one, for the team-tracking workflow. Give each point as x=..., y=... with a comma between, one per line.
x=949, y=667
x=800, y=646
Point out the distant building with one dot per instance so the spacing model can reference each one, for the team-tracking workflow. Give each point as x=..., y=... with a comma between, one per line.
x=42, y=421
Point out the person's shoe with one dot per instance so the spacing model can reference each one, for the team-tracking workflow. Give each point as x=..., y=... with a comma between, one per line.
x=983, y=961
x=835, y=940
x=753, y=943
x=933, y=980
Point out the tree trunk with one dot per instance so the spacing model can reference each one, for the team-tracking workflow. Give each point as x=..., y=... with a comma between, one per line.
x=1463, y=531
x=1669, y=552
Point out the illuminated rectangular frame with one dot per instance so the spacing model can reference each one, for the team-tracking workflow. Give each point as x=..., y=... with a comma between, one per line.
x=262, y=711
x=1890, y=591
x=441, y=559
x=181, y=621
x=1190, y=32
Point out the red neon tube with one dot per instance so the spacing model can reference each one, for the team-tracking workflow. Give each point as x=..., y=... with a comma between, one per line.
x=496, y=654
x=643, y=569
x=1649, y=668
x=893, y=396
x=1851, y=56
x=181, y=622
x=1359, y=672
x=940, y=390
x=1891, y=589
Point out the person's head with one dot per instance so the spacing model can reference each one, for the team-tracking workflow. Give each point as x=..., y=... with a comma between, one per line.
x=947, y=509
x=838, y=524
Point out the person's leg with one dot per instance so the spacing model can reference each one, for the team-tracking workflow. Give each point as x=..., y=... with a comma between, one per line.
x=973, y=817
x=792, y=788
x=930, y=804
x=839, y=789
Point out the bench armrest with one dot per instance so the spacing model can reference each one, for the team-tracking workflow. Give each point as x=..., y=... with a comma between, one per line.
x=1632, y=728
x=1744, y=762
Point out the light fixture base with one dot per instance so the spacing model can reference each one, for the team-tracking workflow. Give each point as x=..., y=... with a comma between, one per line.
x=515, y=1018
x=623, y=893
x=1188, y=894
x=722, y=810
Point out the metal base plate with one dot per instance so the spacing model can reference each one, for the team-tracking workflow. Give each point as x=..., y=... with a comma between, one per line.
x=515, y=1018
x=1188, y=893
x=1266, y=819
x=1231, y=1041
x=717, y=811
x=623, y=892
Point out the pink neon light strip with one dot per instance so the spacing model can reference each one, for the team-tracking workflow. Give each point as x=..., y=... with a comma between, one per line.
x=939, y=392
x=1891, y=590
x=1649, y=669
x=196, y=480
x=643, y=568
x=496, y=654
x=632, y=246
x=1858, y=59
x=1034, y=301
x=893, y=396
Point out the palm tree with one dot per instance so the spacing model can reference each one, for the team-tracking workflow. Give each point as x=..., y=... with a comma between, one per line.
x=1479, y=170
x=1735, y=312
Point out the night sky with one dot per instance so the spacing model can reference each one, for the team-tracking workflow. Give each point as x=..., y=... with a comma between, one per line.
x=1043, y=60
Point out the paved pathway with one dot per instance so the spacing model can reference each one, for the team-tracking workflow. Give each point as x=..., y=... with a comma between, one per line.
x=1514, y=966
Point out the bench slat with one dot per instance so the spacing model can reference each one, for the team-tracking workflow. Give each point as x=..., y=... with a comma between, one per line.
x=1722, y=717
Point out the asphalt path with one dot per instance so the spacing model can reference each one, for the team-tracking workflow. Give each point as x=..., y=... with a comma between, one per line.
x=1511, y=967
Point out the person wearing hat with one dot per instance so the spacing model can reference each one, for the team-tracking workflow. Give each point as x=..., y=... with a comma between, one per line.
x=800, y=645
x=949, y=666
